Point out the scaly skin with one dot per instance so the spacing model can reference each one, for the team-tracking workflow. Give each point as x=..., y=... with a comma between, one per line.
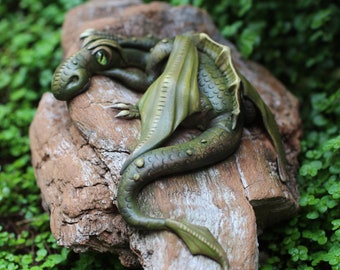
x=213, y=145
x=216, y=143
x=189, y=76
x=176, y=87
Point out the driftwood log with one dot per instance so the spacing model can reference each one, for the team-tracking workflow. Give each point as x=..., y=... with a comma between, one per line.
x=79, y=147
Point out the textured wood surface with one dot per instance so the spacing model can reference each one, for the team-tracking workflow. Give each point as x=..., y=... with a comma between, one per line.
x=78, y=149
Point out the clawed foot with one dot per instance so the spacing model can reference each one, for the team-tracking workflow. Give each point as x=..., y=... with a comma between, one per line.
x=127, y=110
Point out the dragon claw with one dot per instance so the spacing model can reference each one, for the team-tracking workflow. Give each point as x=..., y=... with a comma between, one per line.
x=128, y=111
x=121, y=106
x=124, y=114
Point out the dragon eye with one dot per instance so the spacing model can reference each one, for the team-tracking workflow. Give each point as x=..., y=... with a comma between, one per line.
x=102, y=57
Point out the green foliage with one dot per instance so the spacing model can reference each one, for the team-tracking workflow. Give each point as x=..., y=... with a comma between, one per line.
x=295, y=40
x=30, y=51
x=311, y=240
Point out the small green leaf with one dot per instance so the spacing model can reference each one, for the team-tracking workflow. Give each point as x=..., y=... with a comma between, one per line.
x=333, y=256
x=232, y=29
x=332, y=144
x=53, y=259
x=313, y=154
x=318, y=236
x=334, y=190
x=320, y=120
x=245, y=5
x=299, y=253
x=336, y=224
x=41, y=254
x=311, y=168
x=312, y=215
x=320, y=18
x=250, y=37
x=26, y=259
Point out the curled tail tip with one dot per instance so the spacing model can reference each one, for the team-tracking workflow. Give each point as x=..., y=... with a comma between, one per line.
x=282, y=170
x=283, y=175
x=199, y=240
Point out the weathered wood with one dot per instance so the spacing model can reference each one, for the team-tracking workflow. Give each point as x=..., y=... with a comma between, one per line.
x=77, y=152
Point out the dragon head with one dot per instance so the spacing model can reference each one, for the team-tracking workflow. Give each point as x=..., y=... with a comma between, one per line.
x=72, y=77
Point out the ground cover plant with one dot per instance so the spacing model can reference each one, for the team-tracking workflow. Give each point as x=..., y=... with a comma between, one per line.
x=295, y=40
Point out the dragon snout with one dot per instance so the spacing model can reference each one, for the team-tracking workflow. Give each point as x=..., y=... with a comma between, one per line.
x=69, y=80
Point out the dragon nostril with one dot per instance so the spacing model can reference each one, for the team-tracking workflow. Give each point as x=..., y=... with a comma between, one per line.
x=74, y=79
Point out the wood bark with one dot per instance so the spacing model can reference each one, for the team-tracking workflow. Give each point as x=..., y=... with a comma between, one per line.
x=78, y=149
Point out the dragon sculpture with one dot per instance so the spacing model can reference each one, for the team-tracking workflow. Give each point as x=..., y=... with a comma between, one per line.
x=188, y=79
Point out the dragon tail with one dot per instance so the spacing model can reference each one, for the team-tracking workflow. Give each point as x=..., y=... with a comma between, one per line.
x=213, y=145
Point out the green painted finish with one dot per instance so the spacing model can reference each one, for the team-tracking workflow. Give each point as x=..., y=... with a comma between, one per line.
x=186, y=79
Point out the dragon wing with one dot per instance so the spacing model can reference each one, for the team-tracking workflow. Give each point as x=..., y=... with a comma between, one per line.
x=270, y=125
x=172, y=97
